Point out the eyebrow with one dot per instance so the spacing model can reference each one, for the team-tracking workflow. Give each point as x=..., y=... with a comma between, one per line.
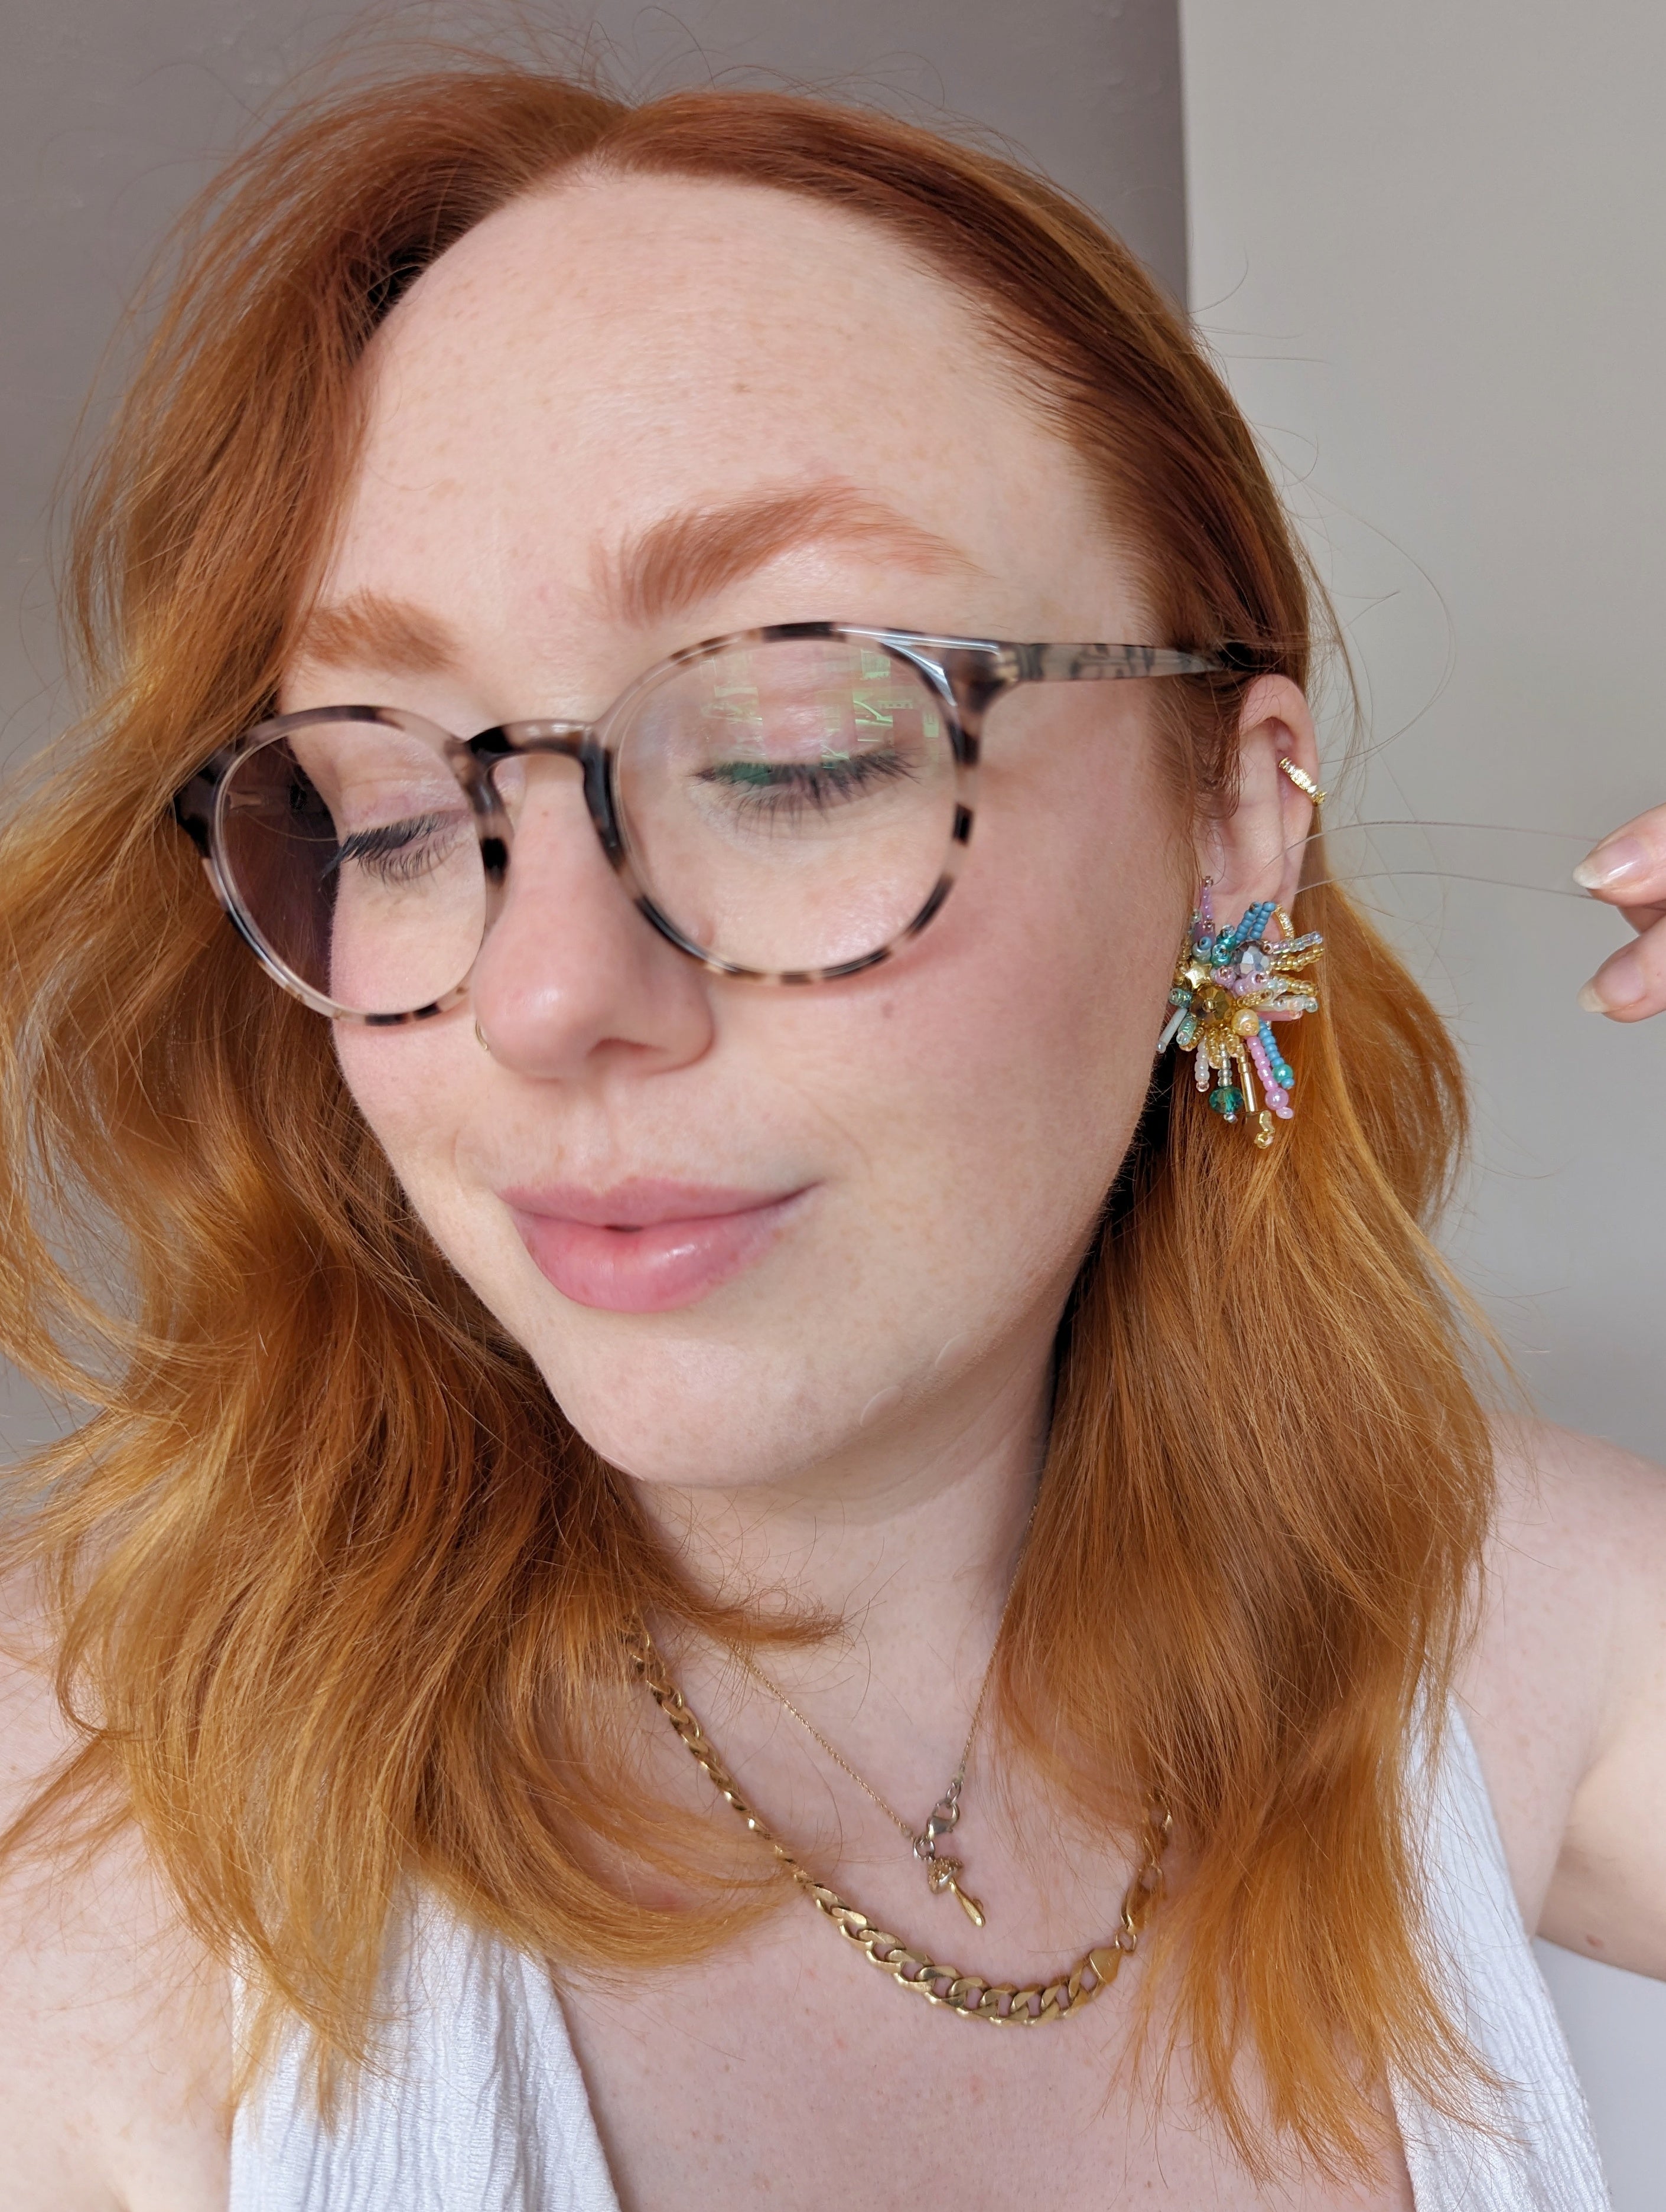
x=692, y=554
x=369, y=629
x=675, y=563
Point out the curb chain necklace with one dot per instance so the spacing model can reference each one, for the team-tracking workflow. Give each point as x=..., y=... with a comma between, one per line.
x=1005, y=2004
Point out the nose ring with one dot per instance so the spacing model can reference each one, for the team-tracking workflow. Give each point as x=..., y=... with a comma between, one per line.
x=480, y=1038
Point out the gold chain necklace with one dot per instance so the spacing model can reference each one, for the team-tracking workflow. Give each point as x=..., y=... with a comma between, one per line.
x=1006, y=2004
x=942, y=1872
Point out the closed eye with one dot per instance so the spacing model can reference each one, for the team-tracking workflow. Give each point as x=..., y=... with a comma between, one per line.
x=783, y=789
x=399, y=852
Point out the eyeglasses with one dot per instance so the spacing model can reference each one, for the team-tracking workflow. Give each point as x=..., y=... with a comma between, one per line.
x=787, y=805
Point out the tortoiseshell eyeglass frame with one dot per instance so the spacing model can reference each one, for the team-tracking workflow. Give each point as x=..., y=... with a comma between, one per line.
x=967, y=675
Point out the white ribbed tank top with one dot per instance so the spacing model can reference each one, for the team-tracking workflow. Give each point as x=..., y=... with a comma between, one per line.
x=480, y=2106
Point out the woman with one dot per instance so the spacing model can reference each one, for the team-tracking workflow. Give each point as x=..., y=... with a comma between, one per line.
x=658, y=1256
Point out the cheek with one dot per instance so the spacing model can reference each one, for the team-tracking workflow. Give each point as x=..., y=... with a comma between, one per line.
x=420, y=1090
x=984, y=1090
x=1035, y=1048
x=410, y=1084
x=1062, y=940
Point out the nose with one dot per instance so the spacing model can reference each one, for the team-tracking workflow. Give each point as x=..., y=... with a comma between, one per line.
x=572, y=980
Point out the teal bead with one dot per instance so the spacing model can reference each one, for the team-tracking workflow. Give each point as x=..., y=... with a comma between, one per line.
x=1226, y=1101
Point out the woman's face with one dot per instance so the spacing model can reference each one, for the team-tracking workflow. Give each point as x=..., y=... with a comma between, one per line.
x=750, y=1233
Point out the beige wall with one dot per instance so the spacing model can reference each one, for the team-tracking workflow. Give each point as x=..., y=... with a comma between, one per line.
x=1428, y=243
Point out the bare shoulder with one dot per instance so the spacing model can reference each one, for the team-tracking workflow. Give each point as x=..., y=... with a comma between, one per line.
x=1565, y=1689
x=114, y=2038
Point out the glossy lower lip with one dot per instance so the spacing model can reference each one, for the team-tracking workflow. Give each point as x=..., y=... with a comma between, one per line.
x=645, y=1248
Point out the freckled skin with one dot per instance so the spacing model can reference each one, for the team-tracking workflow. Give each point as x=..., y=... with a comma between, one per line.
x=563, y=378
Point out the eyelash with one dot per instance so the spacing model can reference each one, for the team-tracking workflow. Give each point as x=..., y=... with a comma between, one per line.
x=794, y=787
x=387, y=852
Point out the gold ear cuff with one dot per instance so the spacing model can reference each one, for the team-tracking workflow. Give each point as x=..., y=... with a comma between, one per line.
x=1303, y=781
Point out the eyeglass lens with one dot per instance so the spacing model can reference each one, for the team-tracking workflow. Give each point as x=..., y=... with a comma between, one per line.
x=786, y=806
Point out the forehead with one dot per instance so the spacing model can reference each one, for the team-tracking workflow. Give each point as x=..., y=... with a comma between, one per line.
x=604, y=351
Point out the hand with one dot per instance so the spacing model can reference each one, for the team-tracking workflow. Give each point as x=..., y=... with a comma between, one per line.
x=1628, y=871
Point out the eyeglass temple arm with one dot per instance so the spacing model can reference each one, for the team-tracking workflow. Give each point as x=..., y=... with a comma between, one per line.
x=1111, y=664
x=193, y=803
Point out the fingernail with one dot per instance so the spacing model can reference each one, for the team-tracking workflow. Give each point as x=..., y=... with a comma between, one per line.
x=1614, y=859
x=1615, y=985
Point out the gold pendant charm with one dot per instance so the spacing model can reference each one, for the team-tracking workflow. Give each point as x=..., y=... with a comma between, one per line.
x=944, y=1873
x=941, y=1873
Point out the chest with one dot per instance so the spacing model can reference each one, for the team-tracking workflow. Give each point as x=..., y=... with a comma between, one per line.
x=786, y=2068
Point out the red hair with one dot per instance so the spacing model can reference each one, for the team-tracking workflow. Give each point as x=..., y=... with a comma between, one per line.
x=339, y=1593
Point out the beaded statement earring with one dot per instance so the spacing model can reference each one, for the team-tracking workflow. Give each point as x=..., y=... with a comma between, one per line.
x=1229, y=989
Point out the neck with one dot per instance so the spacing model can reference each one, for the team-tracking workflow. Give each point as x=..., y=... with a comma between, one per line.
x=908, y=1538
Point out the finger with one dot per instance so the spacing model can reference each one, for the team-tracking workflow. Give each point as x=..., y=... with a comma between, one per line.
x=1631, y=985
x=1628, y=869
x=1644, y=917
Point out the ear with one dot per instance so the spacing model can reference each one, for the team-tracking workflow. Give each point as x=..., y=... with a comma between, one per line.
x=1256, y=852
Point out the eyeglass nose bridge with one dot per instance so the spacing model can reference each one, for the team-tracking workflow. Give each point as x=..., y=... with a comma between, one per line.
x=579, y=742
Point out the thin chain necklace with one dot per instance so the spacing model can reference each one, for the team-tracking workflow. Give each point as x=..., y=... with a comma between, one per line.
x=942, y=1872
x=1004, y=2004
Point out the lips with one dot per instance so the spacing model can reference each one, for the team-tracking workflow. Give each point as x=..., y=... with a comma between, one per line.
x=645, y=1247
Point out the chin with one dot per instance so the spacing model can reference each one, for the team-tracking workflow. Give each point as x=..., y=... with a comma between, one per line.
x=766, y=1398
x=670, y=1419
